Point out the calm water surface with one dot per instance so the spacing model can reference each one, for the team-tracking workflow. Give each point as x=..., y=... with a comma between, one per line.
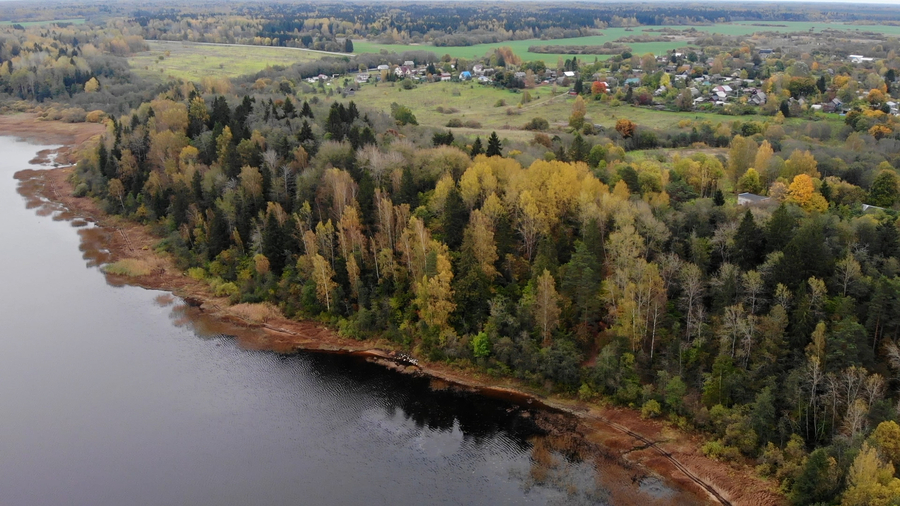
x=112, y=396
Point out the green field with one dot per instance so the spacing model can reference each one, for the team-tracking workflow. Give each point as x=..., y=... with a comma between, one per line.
x=520, y=47
x=478, y=103
x=194, y=61
x=77, y=21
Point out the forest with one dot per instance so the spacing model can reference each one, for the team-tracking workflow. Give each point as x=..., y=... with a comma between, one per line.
x=606, y=258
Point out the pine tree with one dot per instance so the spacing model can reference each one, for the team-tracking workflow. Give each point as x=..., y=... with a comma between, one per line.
x=719, y=198
x=779, y=229
x=494, y=147
x=749, y=243
x=477, y=149
x=272, y=246
x=348, y=45
x=306, y=112
x=785, y=109
x=409, y=192
x=579, y=150
x=218, y=234
x=454, y=219
x=288, y=108
x=820, y=84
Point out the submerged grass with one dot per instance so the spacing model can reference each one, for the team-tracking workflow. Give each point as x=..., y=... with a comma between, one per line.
x=256, y=313
x=132, y=267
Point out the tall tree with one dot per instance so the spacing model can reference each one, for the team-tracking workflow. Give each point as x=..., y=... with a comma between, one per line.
x=494, y=147
x=477, y=149
x=749, y=243
x=546, y=306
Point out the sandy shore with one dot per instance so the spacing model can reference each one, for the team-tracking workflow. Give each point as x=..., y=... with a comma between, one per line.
x=603, y=432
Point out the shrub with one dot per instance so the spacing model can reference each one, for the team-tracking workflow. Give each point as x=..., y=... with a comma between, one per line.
x=718, y=451
x=221, y=288
x=197, y=273
x=650, y=409
x=539, y=124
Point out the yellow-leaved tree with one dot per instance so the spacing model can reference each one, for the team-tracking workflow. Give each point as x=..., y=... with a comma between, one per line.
x=434, y=294
x=92, y=85
x=871, y=481
x=803, y=193
x=546, y=306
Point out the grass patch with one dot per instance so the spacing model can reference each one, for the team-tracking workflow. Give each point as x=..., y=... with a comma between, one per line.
x=256, y=313
x=132, y=267
x=195, y=61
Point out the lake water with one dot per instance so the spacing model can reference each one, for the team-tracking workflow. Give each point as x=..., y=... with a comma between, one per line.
x=117, y=396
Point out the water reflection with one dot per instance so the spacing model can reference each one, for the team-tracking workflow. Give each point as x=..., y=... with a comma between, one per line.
x=474, y=416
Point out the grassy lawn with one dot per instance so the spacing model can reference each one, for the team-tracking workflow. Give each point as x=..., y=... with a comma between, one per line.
x=76, y=21
x=478, y=103
x=193, y=61
x=520, y=47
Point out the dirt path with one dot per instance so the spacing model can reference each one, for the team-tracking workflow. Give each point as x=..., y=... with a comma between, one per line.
x=610, y=432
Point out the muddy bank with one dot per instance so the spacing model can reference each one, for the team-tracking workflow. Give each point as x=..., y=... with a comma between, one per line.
x=27, y=126
x=620, y=435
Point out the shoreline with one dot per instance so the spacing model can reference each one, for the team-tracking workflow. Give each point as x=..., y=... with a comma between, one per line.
x=610, y=432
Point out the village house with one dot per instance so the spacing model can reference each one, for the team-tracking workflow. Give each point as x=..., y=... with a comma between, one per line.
x=402, y=71
x=747, y=199
x=758, y=97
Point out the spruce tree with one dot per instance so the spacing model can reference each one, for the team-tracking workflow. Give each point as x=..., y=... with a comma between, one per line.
x=785, y=109
x=306, y=112
x=288, y=108
x=719, y=198
x=779, y=230
x=579, y=150
x=454, y=219
x=272, y=246
x=477, y=149
x=494, y=147
x=749, y=243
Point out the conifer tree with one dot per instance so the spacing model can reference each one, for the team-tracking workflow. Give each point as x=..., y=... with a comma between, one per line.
x=477, y=149
x=749, y=243
x=494, y=147
x=306, y=112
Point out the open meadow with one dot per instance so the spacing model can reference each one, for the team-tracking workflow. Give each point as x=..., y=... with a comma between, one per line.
x=497, y=109
x=193, y=61
x=520, y=47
